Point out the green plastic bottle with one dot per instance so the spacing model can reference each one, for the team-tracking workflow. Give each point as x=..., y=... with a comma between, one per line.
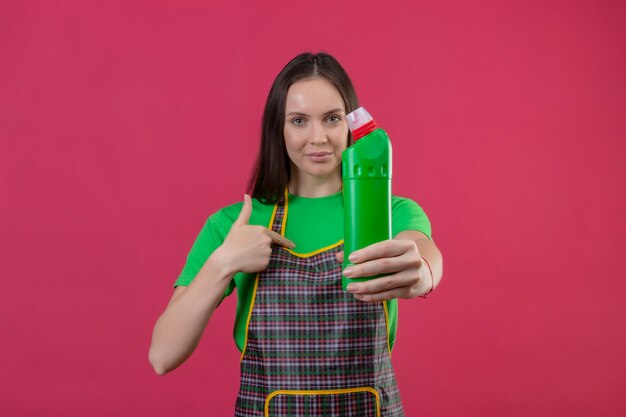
x=366, y=175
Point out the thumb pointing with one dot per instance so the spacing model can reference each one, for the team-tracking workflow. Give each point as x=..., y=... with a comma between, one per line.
x=246, y=210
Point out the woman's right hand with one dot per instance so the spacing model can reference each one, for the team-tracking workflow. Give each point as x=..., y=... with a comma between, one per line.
x=247, y=248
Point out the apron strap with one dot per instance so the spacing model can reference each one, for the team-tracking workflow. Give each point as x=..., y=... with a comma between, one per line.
x=280, y=209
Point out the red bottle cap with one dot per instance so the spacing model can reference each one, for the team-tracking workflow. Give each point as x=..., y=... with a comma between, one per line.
x=360, y=123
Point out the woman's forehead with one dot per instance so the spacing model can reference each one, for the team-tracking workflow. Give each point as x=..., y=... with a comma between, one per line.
x=313, y=96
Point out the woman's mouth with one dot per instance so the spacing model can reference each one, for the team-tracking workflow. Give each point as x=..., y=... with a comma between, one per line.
x=319, y=156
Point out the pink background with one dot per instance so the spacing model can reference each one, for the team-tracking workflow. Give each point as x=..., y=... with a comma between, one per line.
x=125, y=124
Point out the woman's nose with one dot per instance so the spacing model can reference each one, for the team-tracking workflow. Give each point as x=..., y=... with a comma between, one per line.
x=319, y=135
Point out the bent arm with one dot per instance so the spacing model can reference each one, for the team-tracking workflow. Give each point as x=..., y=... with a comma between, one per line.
x=176, y=334
x=178, y=330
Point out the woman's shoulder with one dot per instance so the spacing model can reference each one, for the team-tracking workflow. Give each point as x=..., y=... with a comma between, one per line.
x=407, y=214
x=398, y=201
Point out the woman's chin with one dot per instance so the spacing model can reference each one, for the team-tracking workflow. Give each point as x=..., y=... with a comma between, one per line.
x=322, y=171
x=319, y=170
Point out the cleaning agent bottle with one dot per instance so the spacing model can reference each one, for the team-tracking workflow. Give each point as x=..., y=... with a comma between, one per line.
x=366, y=175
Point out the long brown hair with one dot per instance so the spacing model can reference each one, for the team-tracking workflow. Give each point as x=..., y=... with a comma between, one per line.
x=272, y=169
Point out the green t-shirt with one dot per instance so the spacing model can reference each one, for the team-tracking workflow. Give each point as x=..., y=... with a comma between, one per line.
x=312, y=223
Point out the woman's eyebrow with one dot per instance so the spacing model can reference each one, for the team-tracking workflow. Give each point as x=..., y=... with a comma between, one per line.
x=297, y=113
x=335, y=111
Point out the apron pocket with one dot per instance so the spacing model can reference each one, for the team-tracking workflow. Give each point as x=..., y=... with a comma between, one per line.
x=350, y=402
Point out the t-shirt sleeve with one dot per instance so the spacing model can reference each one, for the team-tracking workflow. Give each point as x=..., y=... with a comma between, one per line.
x=408, y=215
x=210, y=238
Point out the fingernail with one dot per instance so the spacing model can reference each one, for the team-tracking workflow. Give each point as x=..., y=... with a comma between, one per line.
x=348, y=272
x=353, y=257
x=351, y=287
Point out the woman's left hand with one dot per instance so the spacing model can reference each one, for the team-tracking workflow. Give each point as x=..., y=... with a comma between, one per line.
x=408, y=276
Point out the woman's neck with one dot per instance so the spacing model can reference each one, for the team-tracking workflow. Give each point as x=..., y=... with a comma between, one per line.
x=312, y=187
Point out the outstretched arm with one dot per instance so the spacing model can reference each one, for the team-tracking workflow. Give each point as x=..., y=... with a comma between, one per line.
x=406, y=260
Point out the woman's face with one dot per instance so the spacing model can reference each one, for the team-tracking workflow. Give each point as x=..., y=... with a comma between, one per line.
x=315, y=131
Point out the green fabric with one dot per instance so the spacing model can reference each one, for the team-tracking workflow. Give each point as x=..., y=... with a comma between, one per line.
x=312, y=223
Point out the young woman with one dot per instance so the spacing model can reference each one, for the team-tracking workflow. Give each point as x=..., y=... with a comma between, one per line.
x=308, y=347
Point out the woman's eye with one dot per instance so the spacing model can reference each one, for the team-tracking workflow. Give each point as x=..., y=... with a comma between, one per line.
x=333, y=119
x=298, y=121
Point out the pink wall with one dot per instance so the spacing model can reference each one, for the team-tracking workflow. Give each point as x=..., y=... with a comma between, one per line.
x=125, y=124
